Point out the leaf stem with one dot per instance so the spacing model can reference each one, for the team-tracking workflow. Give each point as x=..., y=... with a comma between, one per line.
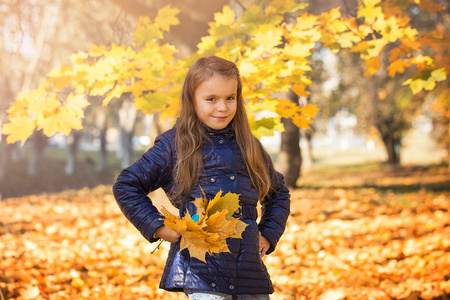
x=157, y=247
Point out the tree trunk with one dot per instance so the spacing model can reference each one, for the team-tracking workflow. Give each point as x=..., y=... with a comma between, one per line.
x=307, y=157
x=289, y=160
x=158, y=126
x=101, y=124
x=127, y=122
x=73, y=141
x=391, y=142
x=39, y=142
x=4, y=160
x=38, y=46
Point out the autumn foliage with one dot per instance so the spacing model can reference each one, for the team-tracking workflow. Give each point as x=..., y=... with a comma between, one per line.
x=272, y=45
x=206, y=230
x=374, y=235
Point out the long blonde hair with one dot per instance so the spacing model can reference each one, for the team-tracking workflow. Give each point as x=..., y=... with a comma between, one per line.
x=190, y=133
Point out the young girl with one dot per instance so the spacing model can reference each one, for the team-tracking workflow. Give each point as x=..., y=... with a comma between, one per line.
x=212, y=148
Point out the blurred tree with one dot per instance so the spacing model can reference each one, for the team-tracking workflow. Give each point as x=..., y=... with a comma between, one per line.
x=437, y=101
x=272, y=53
x=291, y=158
x=378, y=102
x=381, y=101
x=42, y=34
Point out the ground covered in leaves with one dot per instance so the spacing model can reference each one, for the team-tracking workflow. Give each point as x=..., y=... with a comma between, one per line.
x=352, y=234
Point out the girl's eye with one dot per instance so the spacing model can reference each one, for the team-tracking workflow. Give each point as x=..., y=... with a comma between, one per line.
x=231, y=98
x=209, y=99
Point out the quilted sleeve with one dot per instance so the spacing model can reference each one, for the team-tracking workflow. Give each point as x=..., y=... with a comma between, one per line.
x=152, y=171
x=274, y=214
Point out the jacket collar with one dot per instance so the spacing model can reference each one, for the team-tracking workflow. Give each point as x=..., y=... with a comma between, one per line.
x=229, y=130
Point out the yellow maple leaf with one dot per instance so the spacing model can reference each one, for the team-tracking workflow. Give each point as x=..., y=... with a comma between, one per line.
x=422, y=60
x=425, y=80
x=62, y=122
x=240, y=227
x=265, y=126
x=45, y=105
x=116, y=92
x=61, y=77
x=146, y=31
x=299, y=49
x=306, y=21
x=229, y=201
x=268, y=36
x=20, y=106
x=79, y=57
x=219, y=224
x=194, y=242
x=75, y=104
x=207, y=44
x=166, y=17
x=151, y=102
x=226, y=17
x=18, y=129
x=347, y=39
x=97, y=50
x=172, y=222
x=194, y=239
x=247, y=69
x=212, y=226
x=167, y=51
x=215, y=244
x=101, y=87
x=370, y=11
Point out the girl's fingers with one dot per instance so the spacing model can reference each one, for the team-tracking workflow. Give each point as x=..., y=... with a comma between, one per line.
x=264, y=245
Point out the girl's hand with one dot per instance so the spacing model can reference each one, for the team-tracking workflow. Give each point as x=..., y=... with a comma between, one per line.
x=167, y=234
x=264, y=245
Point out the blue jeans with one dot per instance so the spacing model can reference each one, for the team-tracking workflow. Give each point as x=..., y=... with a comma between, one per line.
x=204, y=295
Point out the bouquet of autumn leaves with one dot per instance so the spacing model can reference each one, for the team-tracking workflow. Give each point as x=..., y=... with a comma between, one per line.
x=207, y=230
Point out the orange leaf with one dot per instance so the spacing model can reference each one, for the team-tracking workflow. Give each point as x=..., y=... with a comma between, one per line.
x=398, y=66
x=218, y=223
x=373, y=64
x=299, y=89
x=310, y=110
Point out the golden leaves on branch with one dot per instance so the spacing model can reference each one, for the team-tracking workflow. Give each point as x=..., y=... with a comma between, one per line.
x=57, y=104
x=272, y=48
x=206, y=231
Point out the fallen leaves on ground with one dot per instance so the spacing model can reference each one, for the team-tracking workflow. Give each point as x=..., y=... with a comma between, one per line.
x=340, y=242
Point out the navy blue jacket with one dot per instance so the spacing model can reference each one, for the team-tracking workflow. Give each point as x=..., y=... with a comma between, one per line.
x=239, y=272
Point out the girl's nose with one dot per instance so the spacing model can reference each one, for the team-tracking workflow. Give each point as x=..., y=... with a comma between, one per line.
x=222, y=106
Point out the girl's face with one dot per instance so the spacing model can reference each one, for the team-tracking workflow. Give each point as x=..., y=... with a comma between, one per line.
x=215, y=101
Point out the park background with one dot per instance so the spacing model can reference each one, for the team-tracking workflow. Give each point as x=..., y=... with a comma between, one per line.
x=369, y=175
